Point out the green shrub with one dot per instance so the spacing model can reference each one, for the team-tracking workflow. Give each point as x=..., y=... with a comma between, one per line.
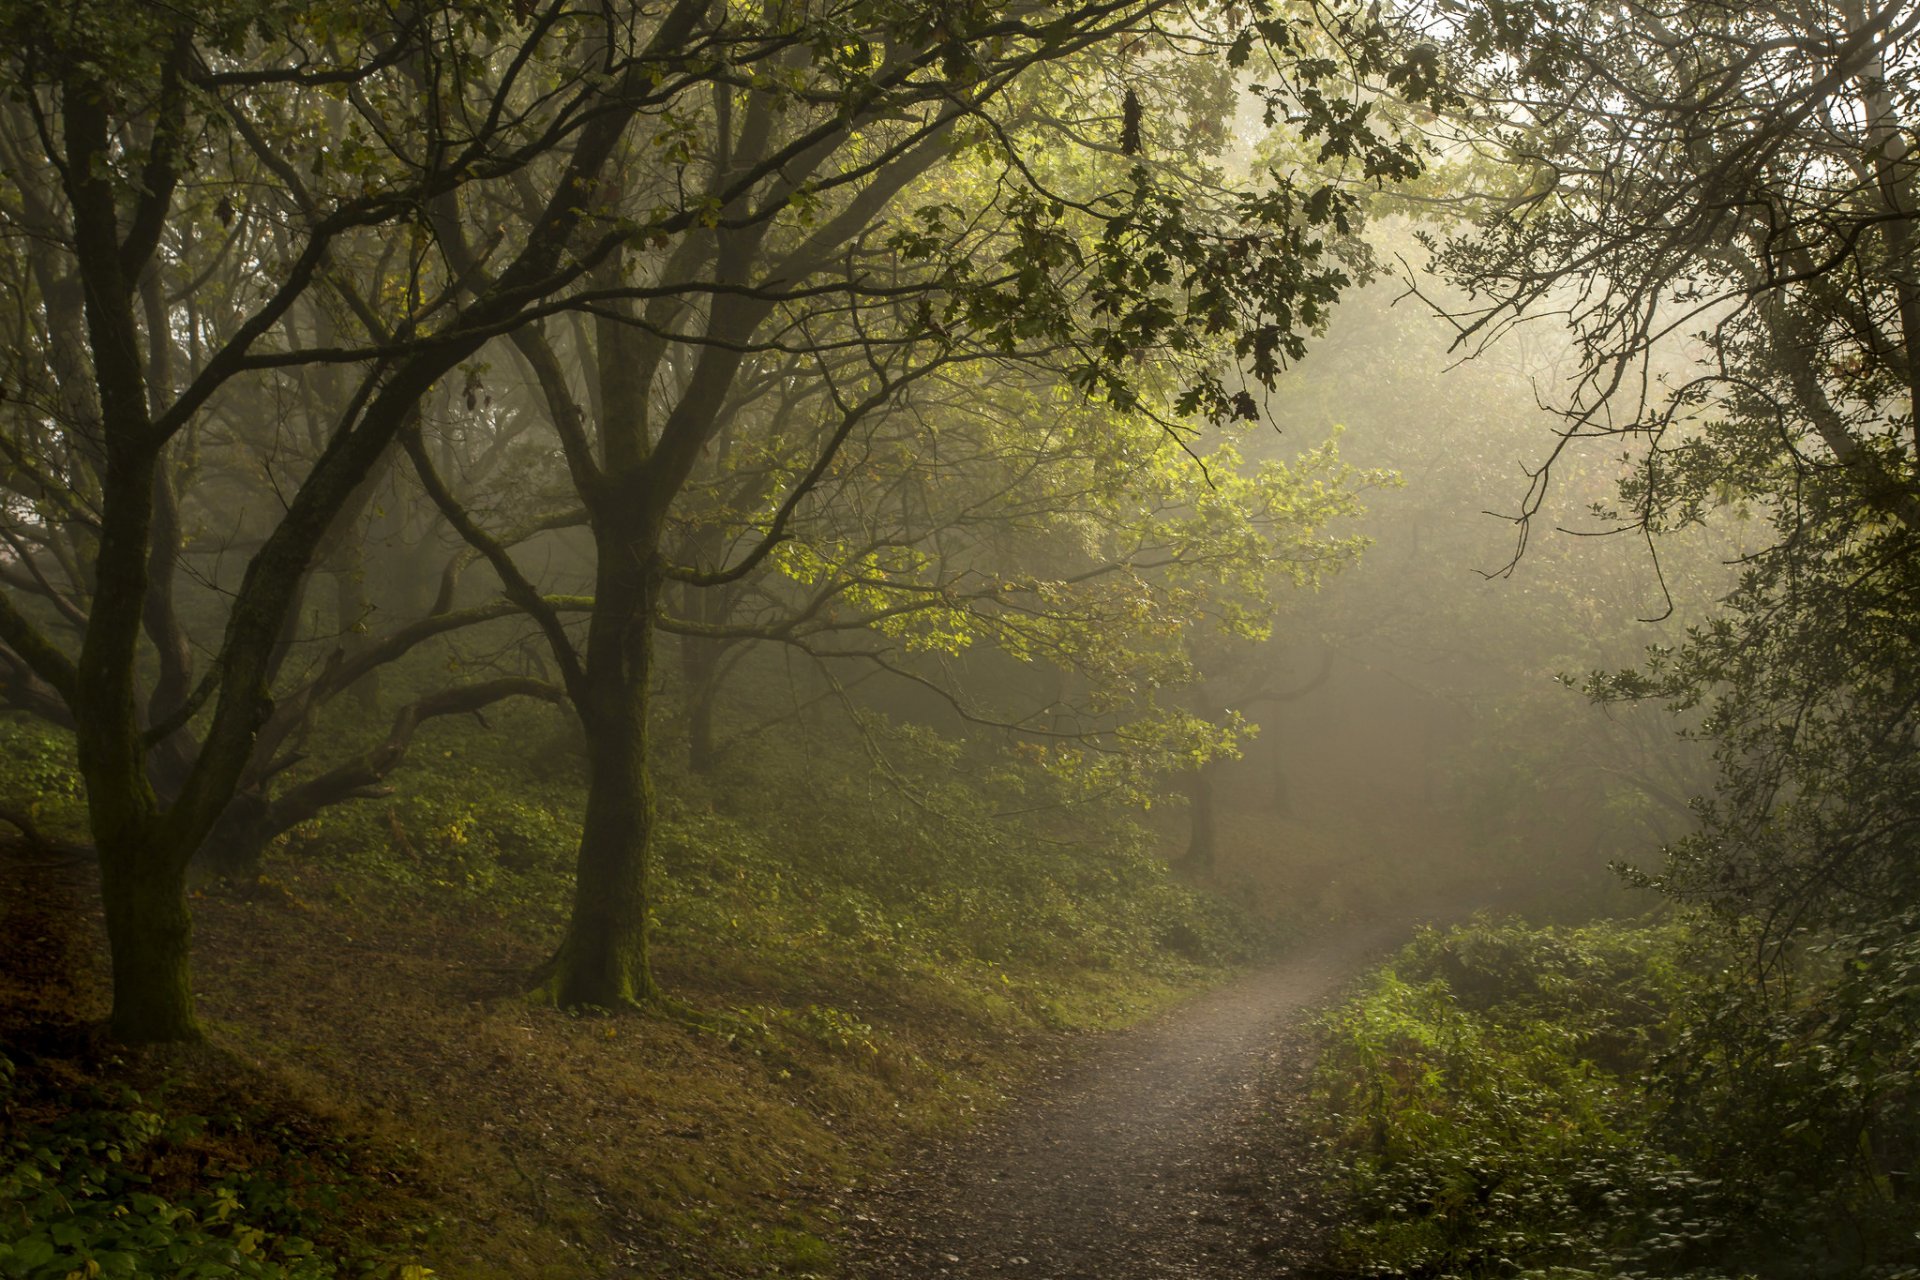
x=1484, y=1111
x=39, y=776
x=1619, y=1101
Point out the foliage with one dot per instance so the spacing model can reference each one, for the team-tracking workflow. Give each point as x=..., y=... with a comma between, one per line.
x=1572, y=1101
x=1741, y=178
x=1807, y=684
x=1467, y=1106
x=486, y=813
x=112, y=1183
x=914, y=863
x=38, y=775
x=1802, y=1093
x=1042, y=529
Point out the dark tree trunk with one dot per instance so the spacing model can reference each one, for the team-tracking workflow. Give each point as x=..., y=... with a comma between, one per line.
x=1280, y=791
x=237, y=845
x=143, y=882
x=702, y=657
x=1203, y=841
x=700, y=660
x=603, y=962
x=144, y=891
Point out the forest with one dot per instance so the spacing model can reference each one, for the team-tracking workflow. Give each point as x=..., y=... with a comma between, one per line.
x=1084, y=639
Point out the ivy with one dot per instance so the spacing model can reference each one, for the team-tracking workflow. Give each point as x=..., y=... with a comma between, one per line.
x=113, y=1184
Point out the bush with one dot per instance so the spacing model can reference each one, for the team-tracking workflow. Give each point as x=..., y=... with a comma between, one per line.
x=39, y=777
x=1617, y=1101
x=1485, y=1114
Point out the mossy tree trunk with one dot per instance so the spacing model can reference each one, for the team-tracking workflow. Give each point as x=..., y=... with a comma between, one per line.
x=151, y=932
x=142, y=866
x=603, y=962
x=143, y=857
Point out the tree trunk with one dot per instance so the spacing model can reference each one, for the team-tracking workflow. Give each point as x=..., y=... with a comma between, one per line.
x=1280, y=791
x=700, y=671
x=701, y=656
x=237, y=845
x=150, y=931
x=603, y=960
x=1202, y=842
x=702, y=693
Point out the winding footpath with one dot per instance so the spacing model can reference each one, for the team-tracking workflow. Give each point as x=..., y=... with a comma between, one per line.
x=1151, y=1156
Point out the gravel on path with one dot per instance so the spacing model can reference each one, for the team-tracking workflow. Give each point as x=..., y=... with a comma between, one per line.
x=1156, y=1154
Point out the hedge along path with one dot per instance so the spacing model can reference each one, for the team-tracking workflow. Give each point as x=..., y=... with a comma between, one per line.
x=1151, y=1155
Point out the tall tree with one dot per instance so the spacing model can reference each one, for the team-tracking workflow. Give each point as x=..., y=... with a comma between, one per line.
x=1743, y=179
x=147, y=146
x=893, y=192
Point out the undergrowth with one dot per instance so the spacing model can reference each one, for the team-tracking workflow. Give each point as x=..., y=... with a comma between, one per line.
x=807, y=860
x=1500, y=1100
x=98, y=1179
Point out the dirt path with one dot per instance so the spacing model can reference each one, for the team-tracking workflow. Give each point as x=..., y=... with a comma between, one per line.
x=1154, y=1155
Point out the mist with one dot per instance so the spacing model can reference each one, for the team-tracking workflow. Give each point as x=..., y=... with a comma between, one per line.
x=927, y=639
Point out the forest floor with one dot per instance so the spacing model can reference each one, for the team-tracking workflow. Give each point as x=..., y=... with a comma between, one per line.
x=514, y=1141
x=491, y=1137
x=1173, y=1150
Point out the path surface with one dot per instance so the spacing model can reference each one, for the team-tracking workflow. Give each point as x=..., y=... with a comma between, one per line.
x=1150, y=1157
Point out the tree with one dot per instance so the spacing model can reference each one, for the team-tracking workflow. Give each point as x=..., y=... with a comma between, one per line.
x=1040, y=564
x=129, y=134
x=1719, y=202
x=650, y=206
x=1741, y=179
x=889, y=194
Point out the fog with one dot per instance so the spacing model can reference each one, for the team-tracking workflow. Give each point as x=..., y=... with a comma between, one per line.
x=929, y=639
